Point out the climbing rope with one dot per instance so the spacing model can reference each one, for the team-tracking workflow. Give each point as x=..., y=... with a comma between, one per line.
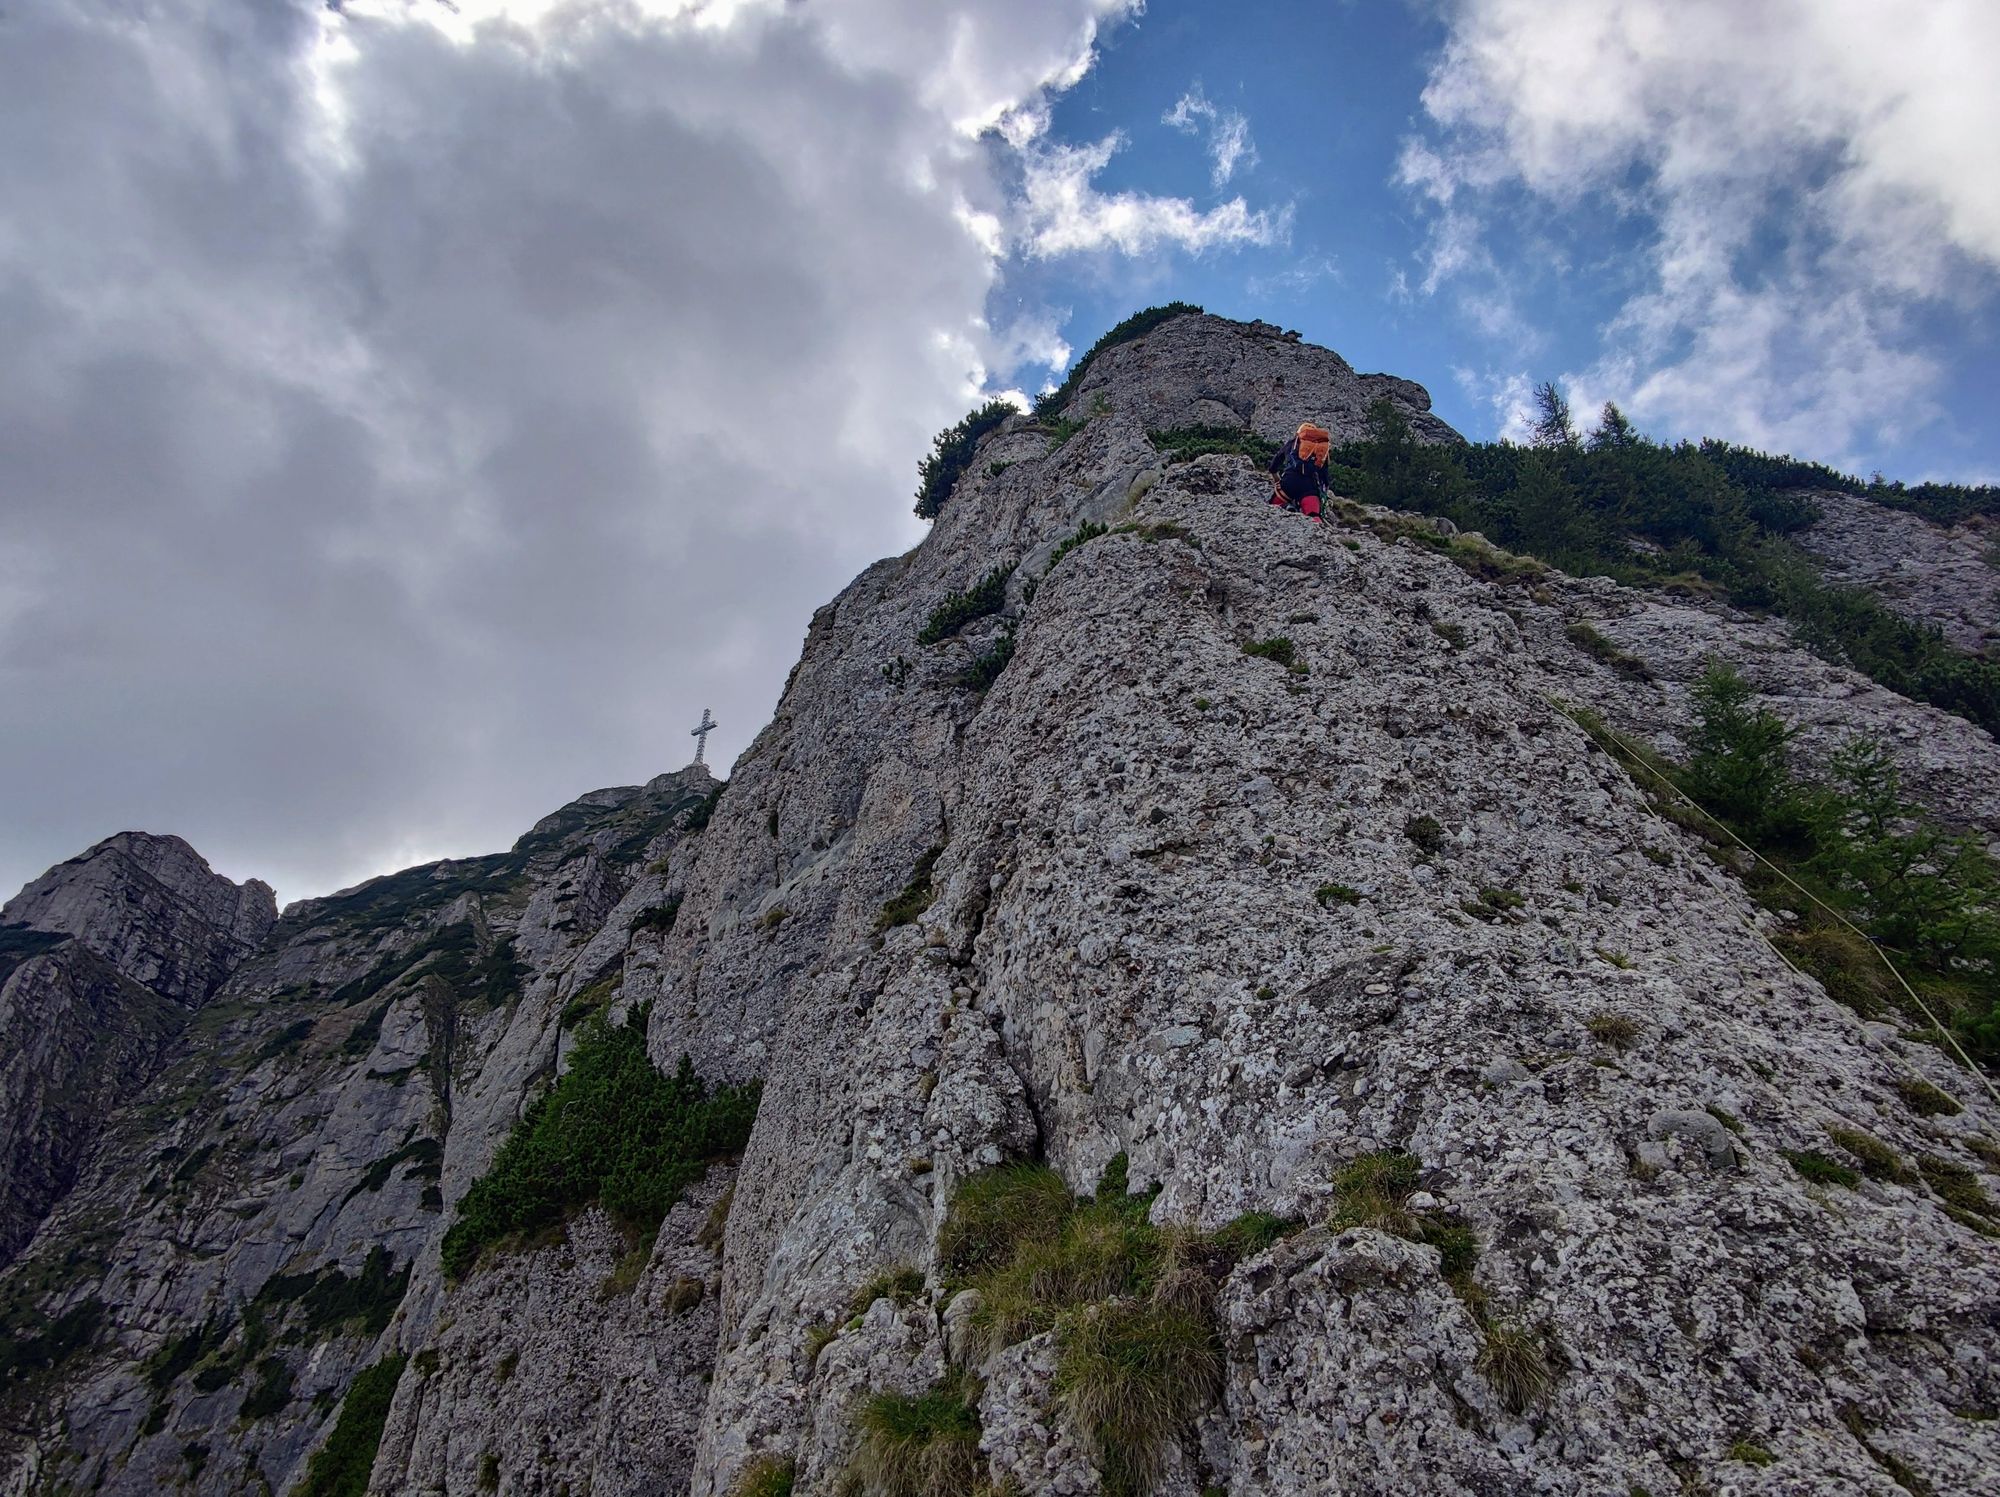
x=1638, y=758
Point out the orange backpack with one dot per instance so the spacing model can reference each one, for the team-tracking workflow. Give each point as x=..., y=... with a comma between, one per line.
x=1315, y=443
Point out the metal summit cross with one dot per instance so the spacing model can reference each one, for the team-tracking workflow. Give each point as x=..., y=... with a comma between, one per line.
x=700, y=734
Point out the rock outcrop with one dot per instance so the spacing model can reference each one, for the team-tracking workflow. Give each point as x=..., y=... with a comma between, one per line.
x=1229, y=851
x=1946, y=576
x=1130, y=952
x=102, y=960
x=153, y=909
x=261, y=1221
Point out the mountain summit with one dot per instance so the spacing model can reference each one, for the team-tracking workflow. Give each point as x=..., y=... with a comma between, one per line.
x=1227, y=1005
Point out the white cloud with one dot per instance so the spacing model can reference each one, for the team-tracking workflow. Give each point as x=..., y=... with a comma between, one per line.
x=1063, y=212
x=1296, y=279
x=1228, y=132
x=415, y=416
x=1804, y=173
x=1509, y=395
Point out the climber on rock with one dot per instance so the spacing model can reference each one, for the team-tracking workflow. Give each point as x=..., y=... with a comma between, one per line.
x=1298, y=470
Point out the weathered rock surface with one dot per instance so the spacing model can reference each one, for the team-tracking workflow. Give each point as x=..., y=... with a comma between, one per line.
x=1135, y=821
x=152, y=908
x=1128, y=948
x=575, y=1367
x=102, y=959
x=280, y=1186
x=1941, y=575
x=77, y=1040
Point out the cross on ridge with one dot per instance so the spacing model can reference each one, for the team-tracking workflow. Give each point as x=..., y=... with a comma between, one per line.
x=700, y=734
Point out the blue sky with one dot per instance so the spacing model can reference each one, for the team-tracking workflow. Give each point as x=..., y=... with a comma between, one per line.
x=1556, y=264
x=384, y=433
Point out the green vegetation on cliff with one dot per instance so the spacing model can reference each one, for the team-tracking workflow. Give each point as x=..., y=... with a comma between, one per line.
x=1703, y=518
x=613, y=1131
x=340, y=1467
x=1853, y=864
x=952, y=450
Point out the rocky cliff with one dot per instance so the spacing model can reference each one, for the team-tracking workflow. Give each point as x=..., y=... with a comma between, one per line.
x=1945, y=576
x=1368, y=1023
x=103, y=959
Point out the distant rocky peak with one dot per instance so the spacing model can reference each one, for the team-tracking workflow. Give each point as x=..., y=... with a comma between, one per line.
x=153, y=908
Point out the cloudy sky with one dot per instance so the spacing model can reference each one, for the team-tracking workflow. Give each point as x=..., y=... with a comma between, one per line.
x=413, y=414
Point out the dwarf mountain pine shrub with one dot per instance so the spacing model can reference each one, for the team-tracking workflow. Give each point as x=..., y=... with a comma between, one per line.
x=986, y=596
x=952, y=453
x=1277, y=648
x=984, y=669
x=341, y=1466
x=613, y=1131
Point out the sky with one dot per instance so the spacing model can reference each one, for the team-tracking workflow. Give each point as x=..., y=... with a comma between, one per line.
x=414, y=414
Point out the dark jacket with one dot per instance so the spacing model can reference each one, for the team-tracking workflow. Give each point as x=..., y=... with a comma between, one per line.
x=1296, y=476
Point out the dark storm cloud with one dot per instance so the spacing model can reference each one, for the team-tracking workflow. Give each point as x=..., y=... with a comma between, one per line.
x=401, y=432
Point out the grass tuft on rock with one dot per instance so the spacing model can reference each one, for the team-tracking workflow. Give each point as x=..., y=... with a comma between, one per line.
x=1131, y=1305
x=1371, y=1191
x=1102, y=1249
x=1965, y=1200
x=926, y=1445
x=1846, y=965
x=901, y=1283
x=1515, y=1361
x=1599, y=648
x=767, y=1476
x=1374, y=1191
x=998, y=1210
x=1616, y=1030
x=1821, y=1170
x=1878, y=1160
x=1253, y=1233
x=1925, y=1100
x=1131, y=1373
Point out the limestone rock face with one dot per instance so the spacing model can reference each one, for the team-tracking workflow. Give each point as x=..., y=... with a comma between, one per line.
x=259, y=1220
x=1128, y=952
x=580, y=1364
x=1948, y=576
x=102, y=959
x=1100, y=874
x=1208, y=371
x=77, y=1040
x=152, y=908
